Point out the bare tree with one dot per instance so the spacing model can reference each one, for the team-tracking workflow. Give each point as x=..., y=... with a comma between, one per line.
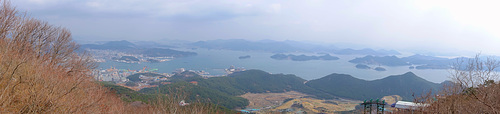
x=473, y=88
x=473, y=72
x=40, y=72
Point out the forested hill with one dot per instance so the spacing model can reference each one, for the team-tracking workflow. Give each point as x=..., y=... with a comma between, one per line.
x=194, y=93
x=257, y=81
x=346, y=86
x=224, y=90
x=328, y=87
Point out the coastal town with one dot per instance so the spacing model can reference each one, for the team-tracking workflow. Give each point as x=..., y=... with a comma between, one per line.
x=118, y=56
x=149, y=77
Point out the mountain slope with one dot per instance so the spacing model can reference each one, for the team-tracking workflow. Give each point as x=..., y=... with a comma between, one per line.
x=194, y=93
x=349, y=87
x=223, y=90
x=257, y=81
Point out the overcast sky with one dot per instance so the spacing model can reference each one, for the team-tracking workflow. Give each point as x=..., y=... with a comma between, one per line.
x=446, y=25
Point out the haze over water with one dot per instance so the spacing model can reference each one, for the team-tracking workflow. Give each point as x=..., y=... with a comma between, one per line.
x=215, y=61
x=429, y=27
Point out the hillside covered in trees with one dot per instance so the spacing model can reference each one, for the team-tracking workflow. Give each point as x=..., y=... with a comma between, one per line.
x=224, y=91
x=346, y=86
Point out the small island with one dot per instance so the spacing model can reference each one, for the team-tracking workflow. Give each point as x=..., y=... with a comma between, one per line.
x=433, y=66
x=303, y=57
x=244, y=57
x=379, y=69
x=127, y=59
x=153, y=61
x=362, y=66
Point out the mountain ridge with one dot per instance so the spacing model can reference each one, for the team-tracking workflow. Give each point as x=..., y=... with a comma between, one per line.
x=347, y=86
x=285, y=47
x=131, y=48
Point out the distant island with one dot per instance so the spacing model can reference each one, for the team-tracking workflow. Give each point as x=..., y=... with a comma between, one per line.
x=375, y=60
x=303, y=57
x=159, y=52
x=366, y=51
x=433, y=66
x=128, y=59
x=245, y=45
x=286, y=46
x=153, y=61
x=362, y=66
x=416, y=61
x=124, y=51
x=244, y=57
x=379, y=69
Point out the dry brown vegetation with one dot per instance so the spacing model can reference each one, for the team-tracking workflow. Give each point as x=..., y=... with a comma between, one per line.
x=259, y=100
x=40, y=72
x=473, y=91
x=313, y=105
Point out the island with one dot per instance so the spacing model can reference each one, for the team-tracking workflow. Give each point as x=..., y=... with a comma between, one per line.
x=362, y=66
x=303, y=57
x=414, y=62
x=433, y=66
x=124, y=51
x=376, y=60
x=153, y=61
x=127, y=59
x=159, y=52
x=366, y=51
x=379, y=69
x=244, y=57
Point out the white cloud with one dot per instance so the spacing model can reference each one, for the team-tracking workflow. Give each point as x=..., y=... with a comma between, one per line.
x=275, y=8
x=94, y=4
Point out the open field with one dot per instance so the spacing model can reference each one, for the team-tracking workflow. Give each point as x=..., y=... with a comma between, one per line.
x=269, y=99
x=318, y=106
x=273, y=102
x=392, y=99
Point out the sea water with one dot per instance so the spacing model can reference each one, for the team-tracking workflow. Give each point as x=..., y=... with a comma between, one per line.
x=215, y=61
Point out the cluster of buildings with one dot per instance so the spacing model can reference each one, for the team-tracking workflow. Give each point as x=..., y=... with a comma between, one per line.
x=104, y=55
x=120, y=75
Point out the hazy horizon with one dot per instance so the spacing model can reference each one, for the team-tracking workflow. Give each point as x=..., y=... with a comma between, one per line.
x=439, y=26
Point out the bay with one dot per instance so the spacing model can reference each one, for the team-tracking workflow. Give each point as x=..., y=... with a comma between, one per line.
x=215, y=61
